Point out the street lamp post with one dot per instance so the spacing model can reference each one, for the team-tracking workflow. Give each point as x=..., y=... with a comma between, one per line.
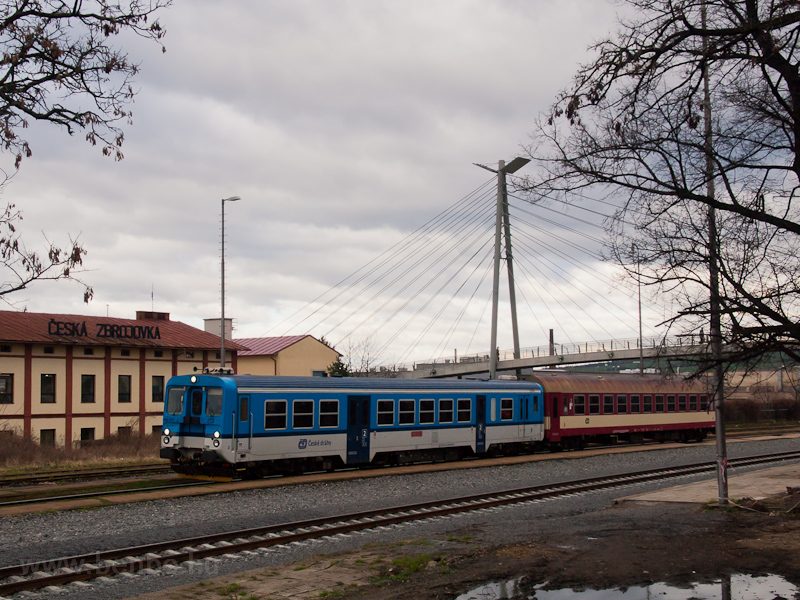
x=222, y=287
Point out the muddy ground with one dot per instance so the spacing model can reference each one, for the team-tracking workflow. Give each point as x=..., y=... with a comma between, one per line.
x=625, y=545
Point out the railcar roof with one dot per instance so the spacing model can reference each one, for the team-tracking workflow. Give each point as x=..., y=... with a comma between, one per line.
x=568, y=382
x=362, y=383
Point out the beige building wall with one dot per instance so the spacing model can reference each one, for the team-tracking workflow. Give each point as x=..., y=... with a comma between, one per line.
x=256, y=365
x=305, y=357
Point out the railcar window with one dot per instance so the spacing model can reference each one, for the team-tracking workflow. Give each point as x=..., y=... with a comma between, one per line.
x=608, y=404
x=328, y=413
x=580, y=404
x=244, y=411
x=197, y=402
x=671, y=403
x=275, y=414
x=214, y=402
x=385, y=412
x=445, y=410
x=464, y=410
x=405, y=412
x=648, y=404
x=703, y=402
x=594, y=405
x=175, y=400
x=635, y=404
x=302, y=414
x=427, y=412
x=682, y=403
x=693, y=403
x=506, y=409
x=622, y=404
x=659, y=403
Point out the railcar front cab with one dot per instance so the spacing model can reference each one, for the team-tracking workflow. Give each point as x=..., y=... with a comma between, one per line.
x=194, y=436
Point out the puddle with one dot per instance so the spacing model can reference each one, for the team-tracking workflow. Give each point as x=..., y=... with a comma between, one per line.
x=735, y=587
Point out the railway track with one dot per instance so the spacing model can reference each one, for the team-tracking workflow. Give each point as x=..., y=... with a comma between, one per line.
x=164, y=555
x=24, y=479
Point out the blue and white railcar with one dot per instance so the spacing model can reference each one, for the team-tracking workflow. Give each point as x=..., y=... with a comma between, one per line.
x=243, y=425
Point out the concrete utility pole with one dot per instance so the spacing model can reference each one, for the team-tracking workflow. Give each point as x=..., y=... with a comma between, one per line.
x=715, y=331
x=222, y=287
x=501, y=219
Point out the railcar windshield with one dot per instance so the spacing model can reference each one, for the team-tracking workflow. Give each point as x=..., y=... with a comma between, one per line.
x=214, y=402
x=175, y=400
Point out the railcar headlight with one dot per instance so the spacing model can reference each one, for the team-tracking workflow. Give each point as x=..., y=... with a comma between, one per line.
x=166, y=439
x=193, y=379
x=216, y=443
x=166, y=431
x=216, y=435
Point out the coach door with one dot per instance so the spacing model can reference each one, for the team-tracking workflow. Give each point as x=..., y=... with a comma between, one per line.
x=480, y=424
x=527, y=415
x=555, y=424
x=358, y=429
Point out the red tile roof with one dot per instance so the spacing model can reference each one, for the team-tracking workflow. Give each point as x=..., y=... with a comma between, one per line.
x=268, y=346
x=47, y=328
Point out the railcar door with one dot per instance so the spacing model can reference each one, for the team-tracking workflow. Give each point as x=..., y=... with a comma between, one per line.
x=480, y=424
x=358, y=420
x=243, y=427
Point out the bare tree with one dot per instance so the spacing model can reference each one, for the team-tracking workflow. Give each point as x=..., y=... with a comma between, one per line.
x=630, y=131
x=58, y=64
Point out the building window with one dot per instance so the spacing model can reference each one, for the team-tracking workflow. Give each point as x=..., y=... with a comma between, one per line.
x=47, y=437
x=158, y=353
x=124, y=431
x=49, y=350
x=87, y=434
x=328, y=413
x=5, y=348
x=124, y=388
x=87, y=389
x=158, y=388
x=7, y=388
x=385, y=412
x=127, y=352
x=190, y=354
x=155, y=429
x=88, y=351
x=48, y=389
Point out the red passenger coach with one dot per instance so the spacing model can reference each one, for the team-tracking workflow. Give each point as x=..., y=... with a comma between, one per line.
x=605, y=407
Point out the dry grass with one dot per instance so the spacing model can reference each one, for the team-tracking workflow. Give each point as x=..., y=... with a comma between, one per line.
x=19, y=454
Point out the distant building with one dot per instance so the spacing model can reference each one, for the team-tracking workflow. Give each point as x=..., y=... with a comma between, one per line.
x=68, y=378
x=300, y=355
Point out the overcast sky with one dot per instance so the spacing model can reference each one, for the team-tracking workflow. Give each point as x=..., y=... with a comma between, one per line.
x=343, y=125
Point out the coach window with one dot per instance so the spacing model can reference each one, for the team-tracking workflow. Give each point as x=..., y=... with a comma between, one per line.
x=579, y=401
x=302, y=414
x=647, y=405
x=214, y=402
x=671, y=403
x=464, y=410
x=704, y=403
x=175, y=400
x=275, y=414
x=328, y=413
x=594, y=405
x=445, y=410
x=659, y=403
x=385, y=412
x=608, y=404
x=493, y=410
x=682, y=403
x=405, y=412
x=622, y=404
x=635, y=404
x=506, y=409
x=564, y=405
x=427, y=411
